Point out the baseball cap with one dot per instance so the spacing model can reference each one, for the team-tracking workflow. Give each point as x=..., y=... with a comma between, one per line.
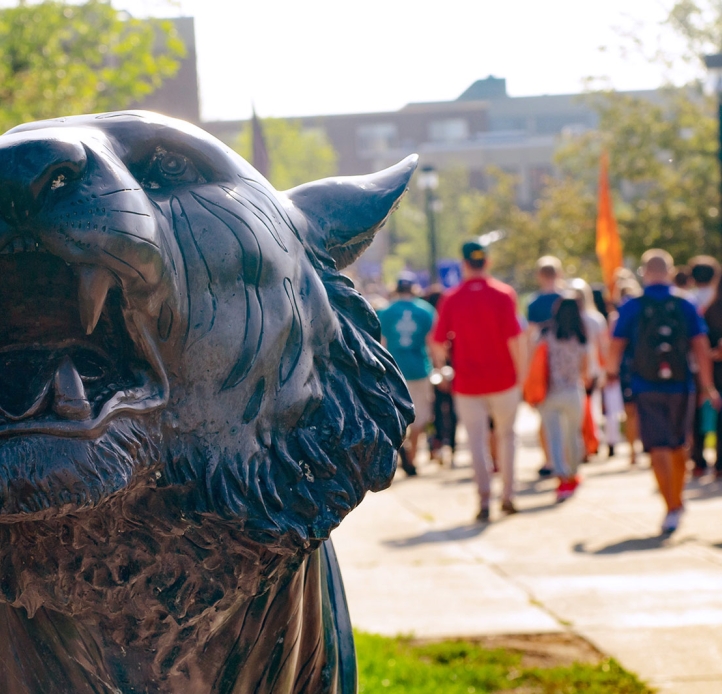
x=473, y=251
x=405, y=282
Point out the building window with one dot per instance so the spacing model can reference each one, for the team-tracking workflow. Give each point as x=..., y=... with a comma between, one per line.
x=555, y=123
x=449, y=130
x=376, y=139
x=497, y=123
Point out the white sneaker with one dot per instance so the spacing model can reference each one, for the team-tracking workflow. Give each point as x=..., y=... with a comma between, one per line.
x=671, y=520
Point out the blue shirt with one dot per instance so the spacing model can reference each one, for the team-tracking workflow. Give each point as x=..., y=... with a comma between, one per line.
x=405, y=324
x=626, y=329
x=539, y=309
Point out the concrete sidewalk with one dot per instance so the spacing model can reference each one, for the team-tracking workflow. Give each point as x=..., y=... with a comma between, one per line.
x=414, y=561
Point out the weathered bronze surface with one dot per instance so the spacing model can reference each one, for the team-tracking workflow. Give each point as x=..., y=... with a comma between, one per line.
x=191, y=398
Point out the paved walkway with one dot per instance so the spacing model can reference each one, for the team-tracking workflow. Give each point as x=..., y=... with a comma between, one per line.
x=414, y=562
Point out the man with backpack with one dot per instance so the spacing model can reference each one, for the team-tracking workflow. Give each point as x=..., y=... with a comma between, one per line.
x=662, y=329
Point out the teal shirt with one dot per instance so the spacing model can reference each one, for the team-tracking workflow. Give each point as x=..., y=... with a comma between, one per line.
x=405, y=324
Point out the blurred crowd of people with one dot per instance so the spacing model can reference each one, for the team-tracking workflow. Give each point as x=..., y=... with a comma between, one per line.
x=641, y=359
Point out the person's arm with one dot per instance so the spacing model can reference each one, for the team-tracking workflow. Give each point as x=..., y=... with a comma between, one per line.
x=716, y=352
x=701, y=351
x=439, y=343
x=616, y=350
x=518, y=350
x=439, y=354
x=603, y=347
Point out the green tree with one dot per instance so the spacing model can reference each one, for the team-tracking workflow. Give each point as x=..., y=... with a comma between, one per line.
x=664, y=175
x=458, y=207
x=663, y=167
x=58, y=58
x=562, y=224
x=296, y=155
x=699, y=23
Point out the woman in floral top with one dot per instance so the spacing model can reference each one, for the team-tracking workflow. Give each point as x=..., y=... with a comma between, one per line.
x=563, y=408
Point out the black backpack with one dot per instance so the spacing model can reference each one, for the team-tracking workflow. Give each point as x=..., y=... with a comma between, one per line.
x=660, y=352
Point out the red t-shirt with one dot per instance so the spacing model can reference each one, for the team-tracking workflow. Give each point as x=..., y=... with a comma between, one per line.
x=478, y=318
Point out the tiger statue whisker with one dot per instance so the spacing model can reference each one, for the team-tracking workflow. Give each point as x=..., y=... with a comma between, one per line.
x=192, y=397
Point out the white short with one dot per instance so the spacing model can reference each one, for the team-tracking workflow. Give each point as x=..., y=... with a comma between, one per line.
x=421, y=395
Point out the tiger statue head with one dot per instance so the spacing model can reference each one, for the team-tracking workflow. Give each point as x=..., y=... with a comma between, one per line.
x=192, y=396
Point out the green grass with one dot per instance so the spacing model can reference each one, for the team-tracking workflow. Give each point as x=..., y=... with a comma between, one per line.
x=398, y=666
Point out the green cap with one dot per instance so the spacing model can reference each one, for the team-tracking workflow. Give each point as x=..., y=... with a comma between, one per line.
x=473, y=251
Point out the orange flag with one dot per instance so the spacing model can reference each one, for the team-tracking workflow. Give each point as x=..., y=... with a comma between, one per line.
x=609, y=246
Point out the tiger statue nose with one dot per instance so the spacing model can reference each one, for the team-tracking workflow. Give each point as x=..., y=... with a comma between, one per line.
x=30, y=169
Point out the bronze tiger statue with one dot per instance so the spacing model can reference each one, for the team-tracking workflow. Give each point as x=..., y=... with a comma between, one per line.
x=191, y=398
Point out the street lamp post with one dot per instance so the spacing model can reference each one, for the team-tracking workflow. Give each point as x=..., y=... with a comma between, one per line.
x=714, y=65
x=428, y=181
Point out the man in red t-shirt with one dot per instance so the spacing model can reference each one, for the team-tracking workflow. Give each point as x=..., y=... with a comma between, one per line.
x=478, y=327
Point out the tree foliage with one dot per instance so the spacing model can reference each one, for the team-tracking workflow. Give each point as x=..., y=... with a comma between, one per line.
x=296, y=155
x=664, y=174
x=699, y=24
x=58, y=58
x=457, y=205
x=563, y=224
x=663, y=167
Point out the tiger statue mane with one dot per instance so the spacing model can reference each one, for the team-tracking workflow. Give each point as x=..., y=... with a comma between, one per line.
x=193, y=396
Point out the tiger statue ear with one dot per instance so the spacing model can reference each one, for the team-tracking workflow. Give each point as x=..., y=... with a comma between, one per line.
x=345, y=212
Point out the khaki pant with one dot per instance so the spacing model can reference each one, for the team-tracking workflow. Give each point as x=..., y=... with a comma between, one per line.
x=474, y=411
x=421, y=392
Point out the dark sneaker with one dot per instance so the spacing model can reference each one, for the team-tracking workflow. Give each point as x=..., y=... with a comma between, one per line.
x=483, y=515
x=545, y=471
x=611, y=451
x=406, y=465
x=508, y=507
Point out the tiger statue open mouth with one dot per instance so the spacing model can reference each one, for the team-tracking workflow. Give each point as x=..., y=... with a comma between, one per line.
x=191, y=398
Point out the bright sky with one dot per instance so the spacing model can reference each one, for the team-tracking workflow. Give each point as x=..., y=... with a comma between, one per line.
x=293, y=57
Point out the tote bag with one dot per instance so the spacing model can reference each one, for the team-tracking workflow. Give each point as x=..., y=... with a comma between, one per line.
x=536, y=384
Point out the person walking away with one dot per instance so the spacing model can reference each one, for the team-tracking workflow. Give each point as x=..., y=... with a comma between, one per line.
x=662, y=330
x=682, y=282
x=713, y=319
x=405, y=327
x=598, y=341
x=444, y=419
x=704, y=271
x=563, y=408
x=539, y=312
x=549, y=278
x=477, y=325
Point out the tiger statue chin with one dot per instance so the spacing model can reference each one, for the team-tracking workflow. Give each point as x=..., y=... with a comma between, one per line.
x=191, y=398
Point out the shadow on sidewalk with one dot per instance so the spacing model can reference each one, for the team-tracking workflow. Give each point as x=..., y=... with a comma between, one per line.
x=700, y=490
x=461, y=532
x=636, y=544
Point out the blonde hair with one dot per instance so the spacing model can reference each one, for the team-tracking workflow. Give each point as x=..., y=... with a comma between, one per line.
x=549, y=266
x=584, y=294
